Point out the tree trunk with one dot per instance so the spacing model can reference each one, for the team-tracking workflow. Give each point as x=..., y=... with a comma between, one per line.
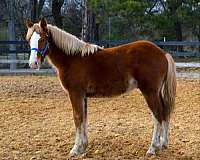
x=34, y=11
x=40, y=6
x=36, y=7
x=84, y=33
x=91, y=26
x=199, y=36
x=56, y=11
x=173, y=6
x=93, y=38
x=179, y=36
x=88, y=23
x=96, y=34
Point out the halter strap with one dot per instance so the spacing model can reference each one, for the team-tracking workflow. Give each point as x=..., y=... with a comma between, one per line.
x=42, y=52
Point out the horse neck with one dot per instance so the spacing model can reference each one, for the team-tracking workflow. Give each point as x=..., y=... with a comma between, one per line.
x=58, y=58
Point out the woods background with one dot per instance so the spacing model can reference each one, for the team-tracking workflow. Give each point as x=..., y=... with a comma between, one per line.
x=95, y=20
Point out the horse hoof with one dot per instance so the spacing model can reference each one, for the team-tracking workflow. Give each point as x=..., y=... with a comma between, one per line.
x=76, y=152
x=164, y=147
x=72, y=154
x=150, y=152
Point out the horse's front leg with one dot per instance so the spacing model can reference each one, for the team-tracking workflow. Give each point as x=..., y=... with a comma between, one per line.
x=80, y=119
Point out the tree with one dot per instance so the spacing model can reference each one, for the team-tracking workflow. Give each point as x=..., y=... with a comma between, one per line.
x=36, y=9
x=111, y=19
x=56, y=12
x=121, y=16
x=89, y=32
x=72, y=19
x=191, y=22
x=151, y=19
x=3, y=18
x=172, y=11
x=191, y=13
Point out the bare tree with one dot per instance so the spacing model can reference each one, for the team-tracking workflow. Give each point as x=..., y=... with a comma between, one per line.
x=56, y=11
x=89, y=32
x=36, y=8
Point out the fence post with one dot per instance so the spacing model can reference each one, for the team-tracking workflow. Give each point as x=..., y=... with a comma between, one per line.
x=11, y=33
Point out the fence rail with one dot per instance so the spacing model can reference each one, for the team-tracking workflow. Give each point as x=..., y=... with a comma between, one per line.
x=178, y=43
x=170, y=46
x=13, y=42
x=4, y=61
x=159, y=43
x=105, y=43
x=4, y=50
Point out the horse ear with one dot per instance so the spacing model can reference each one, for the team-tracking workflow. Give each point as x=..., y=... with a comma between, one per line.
x=43, y=24
x=29, y=23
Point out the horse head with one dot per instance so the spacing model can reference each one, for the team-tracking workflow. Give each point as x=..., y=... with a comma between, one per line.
x=37, y=36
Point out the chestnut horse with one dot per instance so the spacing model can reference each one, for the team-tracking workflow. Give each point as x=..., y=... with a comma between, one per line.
x=87, y=70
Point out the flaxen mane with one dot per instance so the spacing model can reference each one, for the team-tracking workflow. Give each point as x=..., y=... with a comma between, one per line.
x=68, y=43
x=71, y=44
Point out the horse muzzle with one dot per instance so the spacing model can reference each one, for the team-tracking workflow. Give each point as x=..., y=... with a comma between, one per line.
x=34, y=65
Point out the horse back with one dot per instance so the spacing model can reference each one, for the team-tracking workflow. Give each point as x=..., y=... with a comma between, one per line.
x=116, y=70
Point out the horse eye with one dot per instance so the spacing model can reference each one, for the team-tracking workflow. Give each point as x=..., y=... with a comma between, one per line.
x=41, y=40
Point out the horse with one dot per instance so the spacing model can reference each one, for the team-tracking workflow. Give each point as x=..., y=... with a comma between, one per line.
x=88, y=70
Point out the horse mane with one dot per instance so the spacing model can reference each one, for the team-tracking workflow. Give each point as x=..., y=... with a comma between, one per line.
x=70, y=44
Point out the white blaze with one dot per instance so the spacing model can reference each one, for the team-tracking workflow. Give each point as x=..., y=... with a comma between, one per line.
x=34, y=44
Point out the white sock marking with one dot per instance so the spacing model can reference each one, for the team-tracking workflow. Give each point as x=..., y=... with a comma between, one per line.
x=165, y=133
x=81, y=139
x=155, y=143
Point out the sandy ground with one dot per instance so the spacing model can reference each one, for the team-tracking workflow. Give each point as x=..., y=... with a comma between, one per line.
x=36, y=122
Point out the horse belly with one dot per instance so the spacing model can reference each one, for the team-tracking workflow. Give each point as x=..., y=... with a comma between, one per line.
x=112, y=88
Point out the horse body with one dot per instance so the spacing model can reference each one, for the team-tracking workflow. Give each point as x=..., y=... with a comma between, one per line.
x=110, y=72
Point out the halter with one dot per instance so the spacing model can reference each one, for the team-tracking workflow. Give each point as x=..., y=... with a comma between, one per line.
x=42, y=52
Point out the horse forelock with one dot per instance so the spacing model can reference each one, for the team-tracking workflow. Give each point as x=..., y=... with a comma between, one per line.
x=70, y=44
x=34, y=28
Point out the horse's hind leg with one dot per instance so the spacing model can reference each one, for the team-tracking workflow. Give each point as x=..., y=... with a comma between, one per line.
x=80, y=118
x=155, y=142
x=155, y=104
x=164, y=135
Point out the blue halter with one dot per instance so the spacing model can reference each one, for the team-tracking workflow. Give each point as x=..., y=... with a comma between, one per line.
x=42, y=52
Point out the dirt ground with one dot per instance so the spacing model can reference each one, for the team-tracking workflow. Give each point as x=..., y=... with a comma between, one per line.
x=36, y=122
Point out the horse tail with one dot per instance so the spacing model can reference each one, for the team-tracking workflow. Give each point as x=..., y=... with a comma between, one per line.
x=168, y=89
